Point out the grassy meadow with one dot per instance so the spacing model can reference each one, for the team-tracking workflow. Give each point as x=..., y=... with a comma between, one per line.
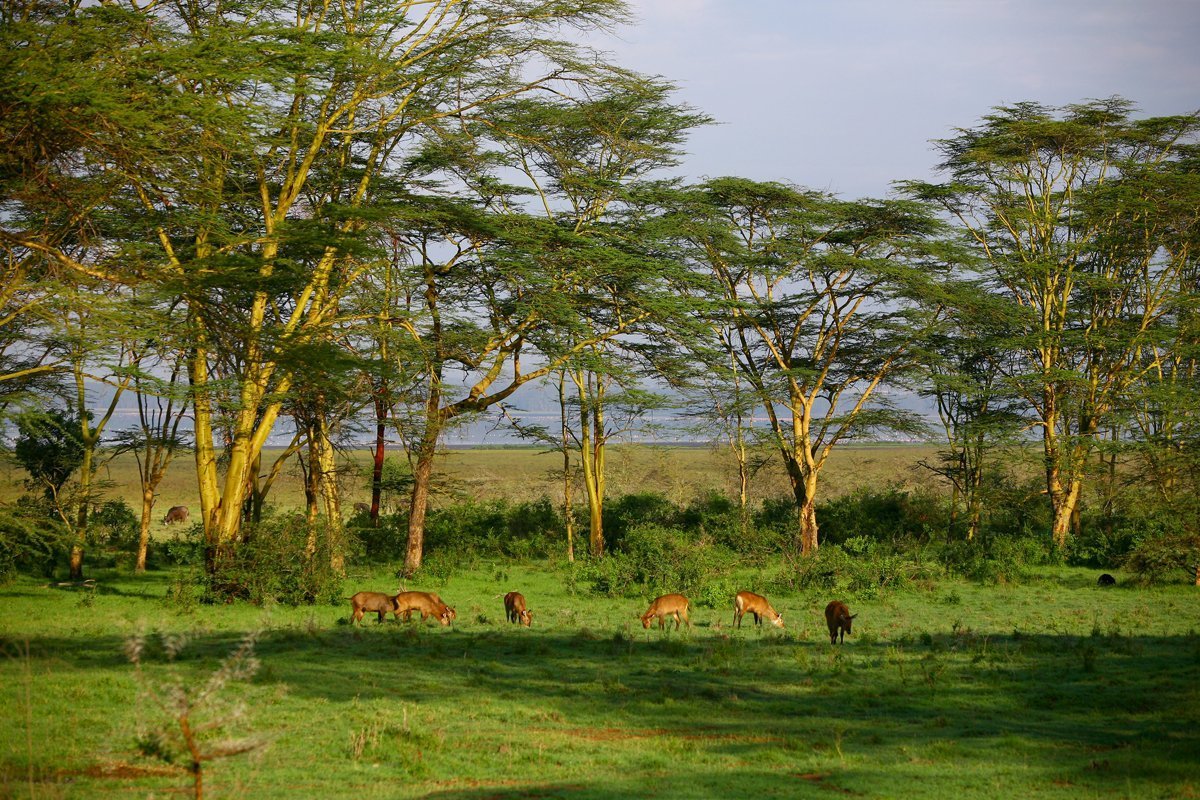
x=1050, y=689
x=1047, y=688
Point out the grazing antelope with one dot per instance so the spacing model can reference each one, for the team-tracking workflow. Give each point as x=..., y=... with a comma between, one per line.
x=756, y=604
x=378, y=602
x=839, y=619
x=176, y=514
x=427, y=603
x=514, y=609
x=669, y=605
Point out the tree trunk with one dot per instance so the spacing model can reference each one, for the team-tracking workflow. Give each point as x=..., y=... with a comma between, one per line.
x=1065, y=503
x=334, y=525
x=419, y=502
x=564, y=443
x=381, y=411
x=808, y=527
x=85, y=500
x=144, y=533
x=804, y=489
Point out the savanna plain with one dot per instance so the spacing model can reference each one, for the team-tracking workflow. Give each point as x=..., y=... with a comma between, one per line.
x=1047, y=687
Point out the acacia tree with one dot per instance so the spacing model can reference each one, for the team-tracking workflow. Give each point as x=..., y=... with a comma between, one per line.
x=555, y=280
x=265, y=131
x=966, y=363
x=162, y=406
x=587, y=162
x=1056, y=204
x=822, y=301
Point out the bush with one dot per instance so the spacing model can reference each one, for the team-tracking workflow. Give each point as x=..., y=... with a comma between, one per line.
x=892, y=515
x=717, y=517
x=272, y=565
x=866, y=573
x=629, y=511
x=1160, y=557
x=1001, y=561
x=658, y=560
x=114, y=529
x=496, y=528
x=30, y=538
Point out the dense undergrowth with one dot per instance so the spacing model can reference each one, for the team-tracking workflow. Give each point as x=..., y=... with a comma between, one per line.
x=873, y=542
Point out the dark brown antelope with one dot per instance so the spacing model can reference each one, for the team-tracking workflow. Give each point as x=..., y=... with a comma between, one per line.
x=839, y=619
x=176, y=514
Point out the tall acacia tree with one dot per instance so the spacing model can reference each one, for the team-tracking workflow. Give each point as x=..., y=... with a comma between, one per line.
x=266, y=129
x=535, y=266
x=1058, y=205
x=820, y=302
x=586, y=162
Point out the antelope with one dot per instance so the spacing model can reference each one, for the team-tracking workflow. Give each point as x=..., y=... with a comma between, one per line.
x=514, y=609
x=176, y=514
x=669, y=605
x=378, y=602
x=839, y=619
x=429, y=604
x=756, y=604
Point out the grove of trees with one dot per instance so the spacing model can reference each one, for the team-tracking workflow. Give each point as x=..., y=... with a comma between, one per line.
x=300, y=218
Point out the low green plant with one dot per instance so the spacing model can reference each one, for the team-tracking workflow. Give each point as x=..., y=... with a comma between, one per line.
x=273, y=564
x=187, y=721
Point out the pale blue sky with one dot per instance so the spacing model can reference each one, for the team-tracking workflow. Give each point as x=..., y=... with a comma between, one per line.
x=844, y=95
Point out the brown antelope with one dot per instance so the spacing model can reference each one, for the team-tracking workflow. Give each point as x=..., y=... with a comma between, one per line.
x=378, y=602
x=514, y=609
x=756, y=604
x=839, y=619
x=669, y=605
x=176, y=514
x=429, y=604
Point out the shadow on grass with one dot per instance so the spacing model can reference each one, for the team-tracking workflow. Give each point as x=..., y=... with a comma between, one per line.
x=1093, y=711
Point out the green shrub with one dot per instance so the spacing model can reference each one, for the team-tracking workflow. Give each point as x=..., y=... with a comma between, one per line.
x=658, y=560
x=718, y=517
x=632, y=510
x=272, y=565
x=865, y=574
x=892, y=515
x=1160, y=557
x=30, y=538
x=995, y=560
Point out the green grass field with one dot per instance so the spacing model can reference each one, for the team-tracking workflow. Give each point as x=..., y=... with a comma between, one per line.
x=1050, y=689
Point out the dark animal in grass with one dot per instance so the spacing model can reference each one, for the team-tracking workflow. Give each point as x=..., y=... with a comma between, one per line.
x=669, y=605
x=839, y=619
x=362, y=508
x=427, y=603
x=515, y=610
x=1106, y=580
x=176, y=514
x=751, y=603
x=378, y=602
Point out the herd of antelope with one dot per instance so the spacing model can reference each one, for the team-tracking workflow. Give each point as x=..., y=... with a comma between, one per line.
x=674, y=606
